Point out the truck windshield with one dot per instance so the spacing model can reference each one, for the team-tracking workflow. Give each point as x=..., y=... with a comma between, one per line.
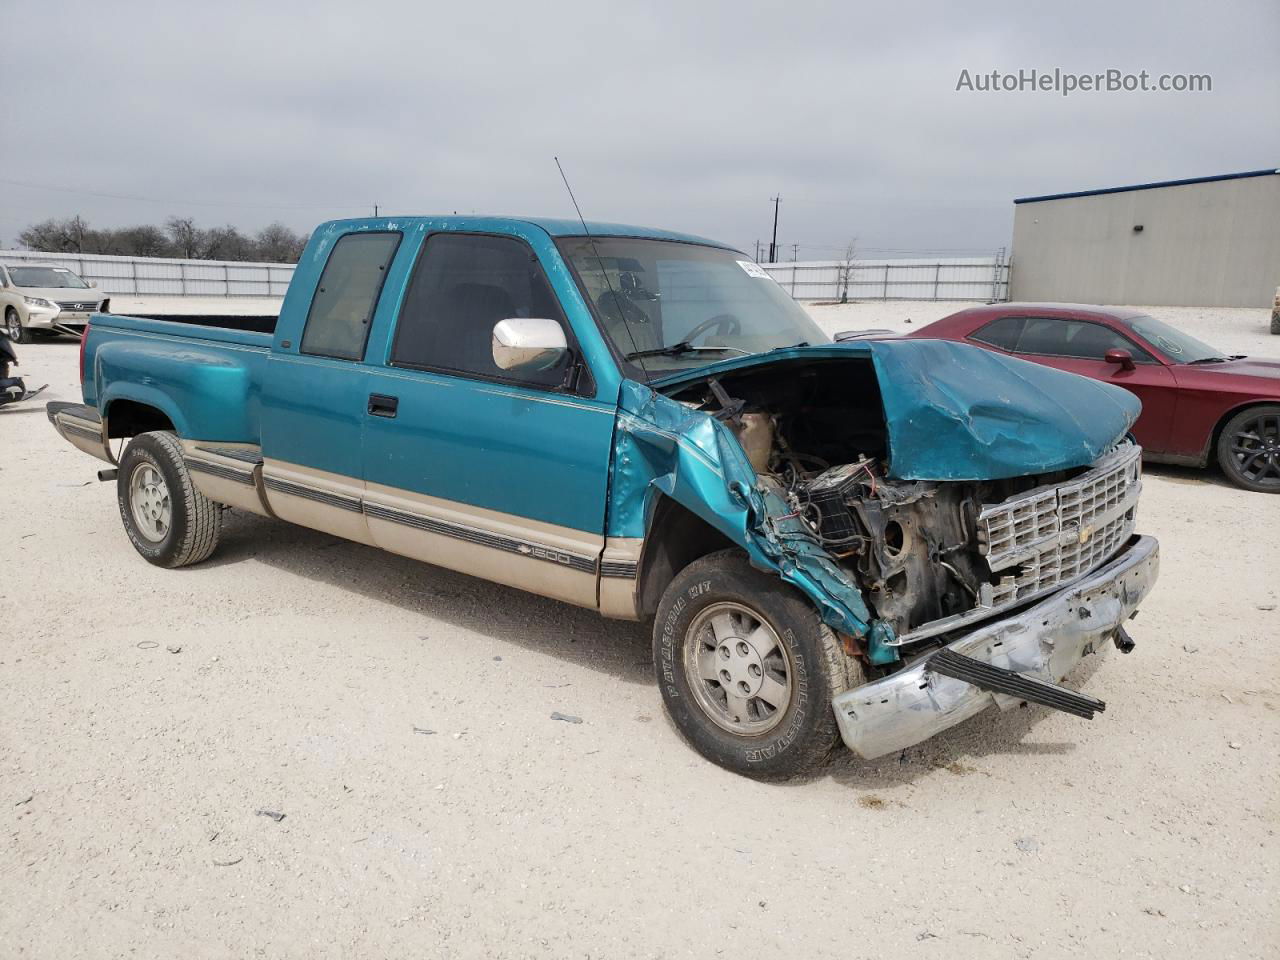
x=45, y=277
x=666, y=305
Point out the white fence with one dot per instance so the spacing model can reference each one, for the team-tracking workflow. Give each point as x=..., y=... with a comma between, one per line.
x=158, y=276
x=965, y=278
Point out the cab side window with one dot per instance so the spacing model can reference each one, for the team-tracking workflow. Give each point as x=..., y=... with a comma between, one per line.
x=1002, y=332
x=462, y=286
x=1079, y=339
x=347, y=294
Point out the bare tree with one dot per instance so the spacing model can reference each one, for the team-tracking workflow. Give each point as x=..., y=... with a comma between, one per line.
x=844, y=269
x=184, y=236
x=276, y=243
x=57, y=236
x=180, y=237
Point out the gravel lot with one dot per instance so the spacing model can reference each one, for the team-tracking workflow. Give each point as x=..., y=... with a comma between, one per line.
x=399, y=716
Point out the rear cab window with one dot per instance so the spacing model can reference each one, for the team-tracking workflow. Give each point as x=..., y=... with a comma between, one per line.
x=347, y=295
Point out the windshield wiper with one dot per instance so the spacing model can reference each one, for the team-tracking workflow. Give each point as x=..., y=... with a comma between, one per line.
x=1209, y=360
x=676, y=349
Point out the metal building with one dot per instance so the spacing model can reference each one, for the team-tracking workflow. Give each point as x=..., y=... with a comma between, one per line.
x=1204, y=242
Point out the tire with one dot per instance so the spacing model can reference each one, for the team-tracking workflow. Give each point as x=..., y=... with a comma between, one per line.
x=169, y=521
x=14, y=328
x=1249, y=449
x=717, y=599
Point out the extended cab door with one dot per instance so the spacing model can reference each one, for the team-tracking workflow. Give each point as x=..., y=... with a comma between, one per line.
x=472, y=467
x=314, y=396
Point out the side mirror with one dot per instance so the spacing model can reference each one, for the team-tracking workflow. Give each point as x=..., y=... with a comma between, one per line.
x=1122, y=357
x=528, y=343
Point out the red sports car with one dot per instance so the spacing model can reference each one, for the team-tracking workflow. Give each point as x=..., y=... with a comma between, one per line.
x=1197, y=404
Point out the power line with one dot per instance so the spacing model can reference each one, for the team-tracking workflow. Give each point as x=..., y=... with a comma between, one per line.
x=202, y=203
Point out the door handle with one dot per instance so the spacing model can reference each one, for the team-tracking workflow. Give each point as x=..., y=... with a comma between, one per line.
x=381, y=405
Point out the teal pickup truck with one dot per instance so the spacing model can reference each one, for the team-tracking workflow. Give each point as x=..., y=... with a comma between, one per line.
x=868, y=541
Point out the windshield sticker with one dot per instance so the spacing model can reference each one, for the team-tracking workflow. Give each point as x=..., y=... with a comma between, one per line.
x=753, y=270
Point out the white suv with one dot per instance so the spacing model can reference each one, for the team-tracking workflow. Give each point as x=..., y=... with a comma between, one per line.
x=47, y=298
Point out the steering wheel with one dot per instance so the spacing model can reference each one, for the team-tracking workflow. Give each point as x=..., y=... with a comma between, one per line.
x=726, y=324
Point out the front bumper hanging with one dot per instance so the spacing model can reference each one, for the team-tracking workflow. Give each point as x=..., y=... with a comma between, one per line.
x=1042, y=644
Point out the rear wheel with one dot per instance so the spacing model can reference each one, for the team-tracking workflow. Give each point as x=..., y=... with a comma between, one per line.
x=13, y=326
x=748, y=669
x=1249, y=449
x=169, y=521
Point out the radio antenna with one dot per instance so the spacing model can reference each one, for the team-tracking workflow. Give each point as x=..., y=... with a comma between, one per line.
x=595, y=250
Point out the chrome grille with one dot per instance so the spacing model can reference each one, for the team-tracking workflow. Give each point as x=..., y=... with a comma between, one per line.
x=78, y=306
x=1053, y=535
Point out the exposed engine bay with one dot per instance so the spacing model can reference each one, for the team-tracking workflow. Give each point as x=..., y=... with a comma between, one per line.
x=929, y=556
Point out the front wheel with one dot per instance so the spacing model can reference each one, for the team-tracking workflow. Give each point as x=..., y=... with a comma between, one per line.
x=13, y=326
x=748, y=670
x=169, y=521
x=1249, y=449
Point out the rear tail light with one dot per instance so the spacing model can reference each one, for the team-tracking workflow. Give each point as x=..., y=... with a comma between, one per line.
x=84, y=338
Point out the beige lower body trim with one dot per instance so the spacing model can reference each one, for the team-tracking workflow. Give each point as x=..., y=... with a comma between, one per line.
x=85, y=434
x=228, y=473
x=539, y=557
x=317, y=499
x=619, y=578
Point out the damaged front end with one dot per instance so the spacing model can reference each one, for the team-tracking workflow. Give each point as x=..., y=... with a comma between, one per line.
x=913, y=490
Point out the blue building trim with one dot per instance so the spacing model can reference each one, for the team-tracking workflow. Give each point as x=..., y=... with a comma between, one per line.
x=1150, y=186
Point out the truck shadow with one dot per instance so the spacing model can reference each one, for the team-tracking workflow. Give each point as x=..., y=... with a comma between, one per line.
x=1188, y=476
x=615, y=647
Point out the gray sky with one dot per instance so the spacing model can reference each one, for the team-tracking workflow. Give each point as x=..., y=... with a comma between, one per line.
x=684, y=115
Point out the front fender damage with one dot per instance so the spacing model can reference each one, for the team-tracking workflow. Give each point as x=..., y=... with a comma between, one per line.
x=662, y=447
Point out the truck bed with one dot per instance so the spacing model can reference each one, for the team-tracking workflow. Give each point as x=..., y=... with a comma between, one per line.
x=203, y=372
x=254, y=323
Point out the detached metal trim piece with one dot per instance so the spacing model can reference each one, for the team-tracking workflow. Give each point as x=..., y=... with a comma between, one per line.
x=1046, y=640
x=986, y=676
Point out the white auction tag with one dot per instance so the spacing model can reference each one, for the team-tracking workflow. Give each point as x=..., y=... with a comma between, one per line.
x=753, y=269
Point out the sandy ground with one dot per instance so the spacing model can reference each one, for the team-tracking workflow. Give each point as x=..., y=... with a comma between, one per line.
x=306, y=672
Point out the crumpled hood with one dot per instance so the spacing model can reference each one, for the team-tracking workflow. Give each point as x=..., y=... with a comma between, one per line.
x=958, y=412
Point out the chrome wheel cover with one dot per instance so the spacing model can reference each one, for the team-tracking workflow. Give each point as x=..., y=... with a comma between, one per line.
x=738, y=669
x=149, y=502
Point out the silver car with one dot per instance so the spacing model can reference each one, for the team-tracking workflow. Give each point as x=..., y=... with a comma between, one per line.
x=46, y=298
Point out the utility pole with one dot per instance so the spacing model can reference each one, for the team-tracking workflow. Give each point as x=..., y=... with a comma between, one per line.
x=795, y=252
x=773, y=246
x=756, y=258
x=375, y=209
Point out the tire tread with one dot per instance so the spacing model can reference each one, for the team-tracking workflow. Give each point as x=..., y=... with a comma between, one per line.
x=203, y=517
